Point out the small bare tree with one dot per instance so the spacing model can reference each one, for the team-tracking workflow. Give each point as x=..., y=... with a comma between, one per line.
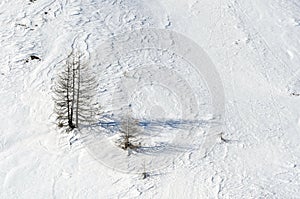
x=145, y=174
x=75, y=94
x=129, y=130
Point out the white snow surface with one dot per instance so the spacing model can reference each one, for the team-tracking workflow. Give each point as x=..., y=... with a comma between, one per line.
x=255, y=48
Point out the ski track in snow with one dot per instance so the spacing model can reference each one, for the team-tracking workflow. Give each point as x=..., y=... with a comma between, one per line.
x=260, y=157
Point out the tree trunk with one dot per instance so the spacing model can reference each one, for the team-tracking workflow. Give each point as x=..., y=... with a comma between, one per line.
x=73, y=91
x=78, y=89
x=68, y=96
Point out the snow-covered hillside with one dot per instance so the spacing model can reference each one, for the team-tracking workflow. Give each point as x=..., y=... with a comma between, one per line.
x=252, y=49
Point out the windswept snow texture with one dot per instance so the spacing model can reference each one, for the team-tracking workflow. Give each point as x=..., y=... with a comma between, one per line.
x=255, y=47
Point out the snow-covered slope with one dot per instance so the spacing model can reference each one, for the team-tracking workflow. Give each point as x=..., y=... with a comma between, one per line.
x=255, y=48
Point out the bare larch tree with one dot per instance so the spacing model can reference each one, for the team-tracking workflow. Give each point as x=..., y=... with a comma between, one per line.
x=75, y=94
x=129, y=130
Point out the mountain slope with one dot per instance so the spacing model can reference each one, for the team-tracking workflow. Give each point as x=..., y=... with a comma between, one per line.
x=254, y=47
